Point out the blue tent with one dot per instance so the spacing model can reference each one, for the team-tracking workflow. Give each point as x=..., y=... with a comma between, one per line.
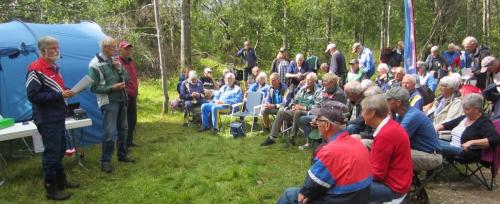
x=78, y=45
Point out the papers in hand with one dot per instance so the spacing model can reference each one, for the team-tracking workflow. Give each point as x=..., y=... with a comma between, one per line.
x=82, y=84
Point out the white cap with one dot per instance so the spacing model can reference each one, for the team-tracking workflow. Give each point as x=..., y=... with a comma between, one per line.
x=208, y=69
x=330, y=46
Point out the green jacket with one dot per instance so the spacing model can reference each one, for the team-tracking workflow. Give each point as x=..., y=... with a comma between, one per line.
x=308, y=99
x=105, y=75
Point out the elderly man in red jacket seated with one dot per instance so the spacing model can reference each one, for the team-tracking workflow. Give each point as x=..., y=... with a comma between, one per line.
x=390, y=155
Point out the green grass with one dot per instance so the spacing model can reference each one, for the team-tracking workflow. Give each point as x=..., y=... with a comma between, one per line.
x=174, y=165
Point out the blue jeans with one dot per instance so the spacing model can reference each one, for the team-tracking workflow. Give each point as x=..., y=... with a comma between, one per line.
x=379, y=192
x=114, y=122
x=209, y=112
x=54, y=142
x=448, y=150
x=289, y=196
x=305, y=124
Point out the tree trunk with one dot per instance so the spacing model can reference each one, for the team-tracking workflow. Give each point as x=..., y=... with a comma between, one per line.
x=160, y=53
x=186, y=34
x=285, y=23
x=486, y=21
x=382, y=25
x=387, y=30
x=329, y=22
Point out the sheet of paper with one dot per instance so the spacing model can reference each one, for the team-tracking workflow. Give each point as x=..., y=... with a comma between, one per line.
x=82, y=84
x=37, y=142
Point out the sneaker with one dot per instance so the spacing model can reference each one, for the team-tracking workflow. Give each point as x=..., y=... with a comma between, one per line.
x=268, y=142
x=106, y=167
x=306, y=146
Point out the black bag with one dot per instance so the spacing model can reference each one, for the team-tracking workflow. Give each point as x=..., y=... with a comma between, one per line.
x=236, y=129
x=427, y=94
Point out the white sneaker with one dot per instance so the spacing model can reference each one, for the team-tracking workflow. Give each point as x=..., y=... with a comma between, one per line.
x=306, y=146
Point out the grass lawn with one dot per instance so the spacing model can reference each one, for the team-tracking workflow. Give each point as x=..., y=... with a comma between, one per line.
x=174, y=165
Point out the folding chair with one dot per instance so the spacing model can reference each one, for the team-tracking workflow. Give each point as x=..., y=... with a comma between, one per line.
x=252, y=107
x=489, y=160
x=230, y=110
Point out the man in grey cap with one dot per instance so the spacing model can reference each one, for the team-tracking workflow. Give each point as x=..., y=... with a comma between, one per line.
x=492, y=91
x=424, y=142
x=337, y=63
x=366, y=60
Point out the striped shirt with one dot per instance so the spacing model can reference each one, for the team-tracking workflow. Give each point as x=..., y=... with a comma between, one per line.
x=456, y=134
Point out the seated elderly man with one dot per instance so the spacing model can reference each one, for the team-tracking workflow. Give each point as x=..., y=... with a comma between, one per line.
x=470, y=132
x=192, y=94
x=276, y=99
x=416, y=100
x=340, y=172
x=390, y=155
x=260, y=84
x=297, y=71
x=208, y=80
x=301, y=104
x=447, y=106
x=425, y=148
x=330, y=92
x=228, y=95
x=354, y=92
x=399, y=73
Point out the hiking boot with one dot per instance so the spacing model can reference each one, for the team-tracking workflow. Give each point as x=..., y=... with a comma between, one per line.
x=203, y=129
x=126, y=160
x=106, y=167
x=268, y=142
x=53, y=193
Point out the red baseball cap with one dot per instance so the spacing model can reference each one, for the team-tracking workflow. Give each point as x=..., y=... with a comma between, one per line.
x=124, y=44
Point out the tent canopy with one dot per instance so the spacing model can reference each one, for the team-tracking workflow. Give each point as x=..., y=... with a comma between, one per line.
x=78, y=45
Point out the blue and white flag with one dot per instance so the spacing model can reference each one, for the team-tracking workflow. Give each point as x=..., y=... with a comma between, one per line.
x=410, y=53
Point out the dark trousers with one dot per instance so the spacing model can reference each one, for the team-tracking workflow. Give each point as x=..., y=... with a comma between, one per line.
x=131, y=118
x=114, y=123
x=54, y=142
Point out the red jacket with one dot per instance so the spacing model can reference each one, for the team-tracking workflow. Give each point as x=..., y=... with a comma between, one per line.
x=132, y=85
x=391, y=157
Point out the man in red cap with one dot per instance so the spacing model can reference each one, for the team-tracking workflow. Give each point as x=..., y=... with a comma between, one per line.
x=132, y=89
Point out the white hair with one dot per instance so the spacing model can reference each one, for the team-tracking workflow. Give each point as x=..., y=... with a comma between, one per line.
x=366, y=83
x=411, y=78
x=44, y=42
x=261, y=75
x=374, y=90
x=469, y=40
x=450, y=82
x=473, y=100
x=192, y=74
x=313, y=76
x=434, y=48
x=299, y=56
x=383, y=66
x=106, y=41
x=354, y=87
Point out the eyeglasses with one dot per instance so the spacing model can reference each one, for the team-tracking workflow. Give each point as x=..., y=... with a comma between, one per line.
x=321, y=119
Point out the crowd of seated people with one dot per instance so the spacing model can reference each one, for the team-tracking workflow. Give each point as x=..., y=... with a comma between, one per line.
x=390, y=118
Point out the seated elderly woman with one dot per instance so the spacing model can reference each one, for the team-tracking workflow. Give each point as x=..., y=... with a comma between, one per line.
x=260, y=84
x=228, y=95
x=447, y=106
x=192, y=94
x=470, y=132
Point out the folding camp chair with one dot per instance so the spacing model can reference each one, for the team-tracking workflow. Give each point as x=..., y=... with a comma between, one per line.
x=251, y=107
x=489, y=160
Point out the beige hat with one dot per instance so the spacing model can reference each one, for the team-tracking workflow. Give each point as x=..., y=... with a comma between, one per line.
x=486, y=62
x=330, y=46
x=354, y=46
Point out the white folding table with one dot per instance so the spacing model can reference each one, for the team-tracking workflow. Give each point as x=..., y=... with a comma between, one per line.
x=27, y=129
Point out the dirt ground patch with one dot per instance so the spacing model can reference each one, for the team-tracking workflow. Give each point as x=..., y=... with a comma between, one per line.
x=459, y=190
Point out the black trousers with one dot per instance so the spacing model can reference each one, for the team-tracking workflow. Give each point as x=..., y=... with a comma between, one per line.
x=54, y=141
x=131, y=118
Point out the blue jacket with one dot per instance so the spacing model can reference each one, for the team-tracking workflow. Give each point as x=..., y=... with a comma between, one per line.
x=416, y=99
x=229, y=95
x=294, y=69
x=186, y=89
x=248, y=58
x=450, y=56
x=367, y=62
x=256, y=87
x=423, y=136
x=277, y=96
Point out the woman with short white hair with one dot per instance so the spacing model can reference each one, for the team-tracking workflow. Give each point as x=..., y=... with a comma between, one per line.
x=471, y=132
x=448, y=104
x=383, y=77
